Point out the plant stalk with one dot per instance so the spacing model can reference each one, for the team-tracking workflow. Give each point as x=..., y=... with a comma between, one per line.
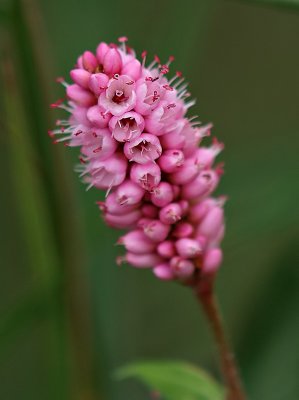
x=205, y=295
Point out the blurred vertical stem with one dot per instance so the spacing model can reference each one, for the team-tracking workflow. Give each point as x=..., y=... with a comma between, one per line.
x=204, y=290
x=32, y=67
x=35, y=220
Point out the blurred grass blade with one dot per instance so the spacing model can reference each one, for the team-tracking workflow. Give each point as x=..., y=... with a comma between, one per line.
x=35, y=219
x=174, y=380
x=33, y=307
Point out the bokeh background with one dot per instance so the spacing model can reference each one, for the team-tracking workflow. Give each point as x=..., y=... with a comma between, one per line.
x=69, y=316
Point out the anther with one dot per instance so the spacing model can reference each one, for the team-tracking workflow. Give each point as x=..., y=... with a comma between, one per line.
x=167, y=87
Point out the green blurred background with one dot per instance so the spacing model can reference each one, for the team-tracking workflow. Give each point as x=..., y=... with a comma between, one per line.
x=69, y=316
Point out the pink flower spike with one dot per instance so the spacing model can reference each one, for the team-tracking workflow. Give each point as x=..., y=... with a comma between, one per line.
x=129, y=193
x=166, y=249
x=181, y=267
x=112, y=62
x=163, y=272
x=156, y=230
x=120, y=96
x=98, y=83
x=171, y=160
x=137, y=242
x=143, y=260
x=211, y=262
x=80, y=77
x=81, y=96
x=127, y=127
x=137, y=144
x=148, y=176
x=188, y=248
x=171, y=213
x=162, y=194
x=97, y=116
x=143, y=149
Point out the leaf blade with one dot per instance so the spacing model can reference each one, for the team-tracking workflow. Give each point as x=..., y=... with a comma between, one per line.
x=175, y=380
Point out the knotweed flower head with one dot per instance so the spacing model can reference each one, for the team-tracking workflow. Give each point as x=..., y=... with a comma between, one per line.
x=129, y=120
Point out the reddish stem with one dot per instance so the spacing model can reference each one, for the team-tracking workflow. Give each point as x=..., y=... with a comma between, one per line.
x=205, y=295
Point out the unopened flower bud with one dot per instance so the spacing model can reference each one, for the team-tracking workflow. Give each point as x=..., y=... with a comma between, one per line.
x=166, y=249
x=162, y=194
x=132, y=69
x=101, y=51
x=156, y=230
x=188, y=248
x=171, y=160
x=98, y=117
x=149, y=211
x=126, y=221
x=143, y=260
x=202, y=185
x=98, y=83
x=112, y=62
x=129, y=193
x=183, y=230
x=81, y=96
x=80, y=77
x=181, y=267
x=89, y=61
x=137, y=242
x=171, y=213
x=212, y=261
x=163, y=272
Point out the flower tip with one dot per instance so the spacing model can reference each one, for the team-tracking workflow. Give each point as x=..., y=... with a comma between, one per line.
x=122, y=39
x=219, y=169
x=60, y=79
x=157, y=59
x=120, y=260
x=120, y=241
x=102, y=206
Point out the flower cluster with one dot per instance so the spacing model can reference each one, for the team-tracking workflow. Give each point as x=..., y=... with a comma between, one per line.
x=136, y=142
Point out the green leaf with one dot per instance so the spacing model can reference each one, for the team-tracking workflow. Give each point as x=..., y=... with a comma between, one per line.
x=174, y=380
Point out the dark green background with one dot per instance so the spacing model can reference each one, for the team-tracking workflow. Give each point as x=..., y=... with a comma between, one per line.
x=69, y=316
